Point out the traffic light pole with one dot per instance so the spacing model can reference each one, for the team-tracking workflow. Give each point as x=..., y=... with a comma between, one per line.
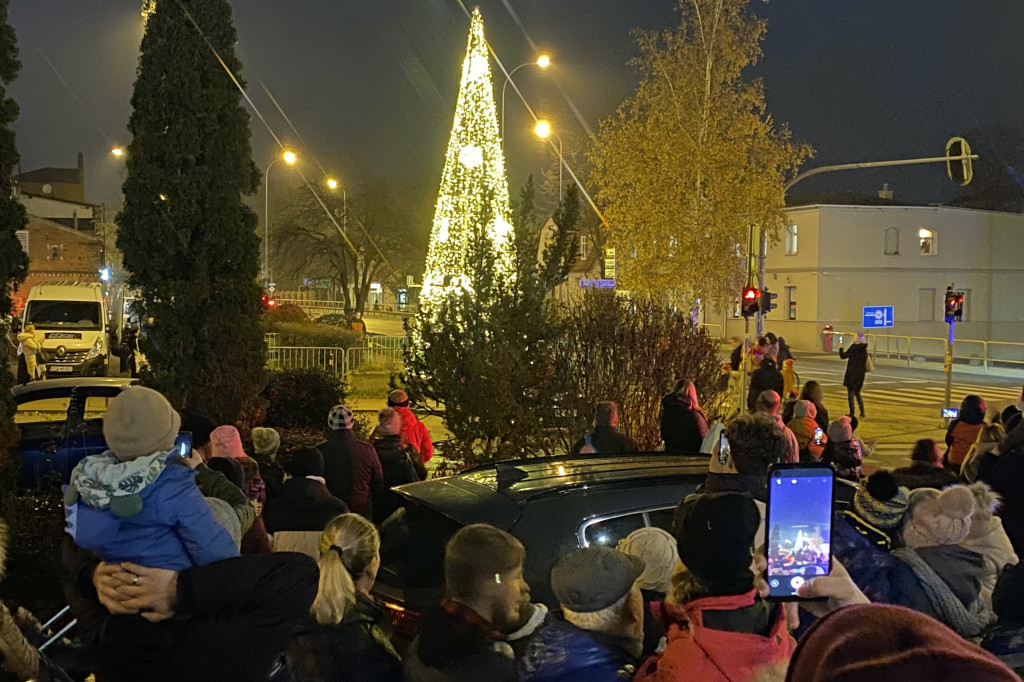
x=948, y=365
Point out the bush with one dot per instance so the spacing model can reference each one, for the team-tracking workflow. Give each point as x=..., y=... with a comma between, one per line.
x=286, y=312
x=302, y=398
x=35, y=521
x=630, y=351
x=310, y=334
x=333, y=319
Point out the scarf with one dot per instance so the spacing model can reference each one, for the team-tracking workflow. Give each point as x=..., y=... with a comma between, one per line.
x=100, y=478
x=968, y=621
x=467, y=620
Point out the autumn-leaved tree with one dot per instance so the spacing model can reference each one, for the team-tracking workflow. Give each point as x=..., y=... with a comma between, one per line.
x=13, y=261
x=693, y=158
x=187, y=236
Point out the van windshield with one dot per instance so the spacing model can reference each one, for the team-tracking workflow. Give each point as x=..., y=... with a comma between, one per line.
x=64, y=315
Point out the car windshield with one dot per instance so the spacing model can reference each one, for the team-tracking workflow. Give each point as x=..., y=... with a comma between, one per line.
x=412, y=543
x=43, y=410
x=64, y=315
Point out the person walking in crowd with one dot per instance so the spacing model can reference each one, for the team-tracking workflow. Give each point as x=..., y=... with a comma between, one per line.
x=400, y=464
x=843, y=450
x=414, y=432
x=299, y=515
x=755, y=355
x=983, y=452
x=736, y=355
x=606, y=438
x=342, y=639
x=265, y=444
x=809, y=436
x=351, y=467
x=856, y=370
x=138, y=501
x=813, y=393
x=785, y=353
x=718, y=628
x=358, y=325
x=766, y=378
x=463, y=638
x=790, y=380
x=772, y=349
x=988, y=538
x=28, y=351
x=683, y=424
x=963, y=431
x=598, y=635
x=925, y=470
x=769, y=403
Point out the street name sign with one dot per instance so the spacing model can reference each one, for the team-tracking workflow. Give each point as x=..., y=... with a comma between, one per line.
x=878, y=316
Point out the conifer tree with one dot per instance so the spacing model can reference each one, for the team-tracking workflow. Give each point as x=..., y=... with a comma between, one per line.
x=188, y=241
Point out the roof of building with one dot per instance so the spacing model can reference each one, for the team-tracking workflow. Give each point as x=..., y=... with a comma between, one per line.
x=50, y=197
x=57, y=226
x=62, y=176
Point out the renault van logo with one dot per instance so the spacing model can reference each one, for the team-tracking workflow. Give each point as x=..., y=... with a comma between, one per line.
x=61, y=351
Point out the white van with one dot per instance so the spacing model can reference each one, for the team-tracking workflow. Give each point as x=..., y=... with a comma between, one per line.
x=71, y=325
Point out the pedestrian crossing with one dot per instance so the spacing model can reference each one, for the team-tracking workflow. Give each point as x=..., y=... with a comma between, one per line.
x=920, y=393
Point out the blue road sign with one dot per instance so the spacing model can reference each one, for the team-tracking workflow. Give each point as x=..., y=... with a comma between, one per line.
x=597, y=283
x=878, y=316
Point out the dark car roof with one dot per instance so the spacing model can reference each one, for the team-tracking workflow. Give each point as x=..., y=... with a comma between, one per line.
x=493, y=493
x=54, y=387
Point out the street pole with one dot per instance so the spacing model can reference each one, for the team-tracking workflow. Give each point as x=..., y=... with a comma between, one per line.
x=503, y=88
x=561, y=162
x=948, y=366
x=762, y=253
x=266, y=224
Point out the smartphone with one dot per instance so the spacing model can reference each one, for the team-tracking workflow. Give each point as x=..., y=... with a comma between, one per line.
x=723, y=449
x=819, y=436
x=950, y=412
x=183, y=444
x=798, y=523
x=840, y=339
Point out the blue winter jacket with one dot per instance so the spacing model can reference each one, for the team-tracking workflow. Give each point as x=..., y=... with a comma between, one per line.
x=561, y=651
x=173, y=529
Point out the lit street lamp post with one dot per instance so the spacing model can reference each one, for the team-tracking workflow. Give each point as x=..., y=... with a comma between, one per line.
x=543, y=61
x=543, y=131
x=289, y=158
x=332, y=185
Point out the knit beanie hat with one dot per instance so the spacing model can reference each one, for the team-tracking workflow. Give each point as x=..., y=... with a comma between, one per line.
x=340, y=417
x=230, y=468
x=805, y=409
x=880, y=643
x=398, y=398
x=881, y=501
x=139, y=422
x=841, y=430
x=227, y=442
x=390, y=422
x=715, y=538
x=265, y=441
x=657, y=549
x=306, y=462
x=938, y=518
x=199, y=426
x=1009, y=412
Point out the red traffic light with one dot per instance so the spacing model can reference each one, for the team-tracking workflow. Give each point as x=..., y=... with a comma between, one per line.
x=751, y=294
x=269, y=301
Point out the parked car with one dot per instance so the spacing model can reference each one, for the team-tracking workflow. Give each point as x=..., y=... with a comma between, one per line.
x=61, y=421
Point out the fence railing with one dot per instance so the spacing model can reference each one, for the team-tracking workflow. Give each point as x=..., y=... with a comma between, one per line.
x=315, y=308
x=376, y=352
x=933, y=348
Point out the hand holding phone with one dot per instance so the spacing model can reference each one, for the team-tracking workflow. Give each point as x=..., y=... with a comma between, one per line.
x=819, y=436
x=799, y=527
x=950, y=412
x=723, y=449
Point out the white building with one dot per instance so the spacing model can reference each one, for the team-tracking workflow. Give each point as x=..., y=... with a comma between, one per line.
x=835, y=260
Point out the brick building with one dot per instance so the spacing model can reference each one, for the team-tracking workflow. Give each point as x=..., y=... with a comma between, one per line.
x=60, y=183
x=56, y=252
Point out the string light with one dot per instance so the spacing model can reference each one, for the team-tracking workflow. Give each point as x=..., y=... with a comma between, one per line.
x=473, y=184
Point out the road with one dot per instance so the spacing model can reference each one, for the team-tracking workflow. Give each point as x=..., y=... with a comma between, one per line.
x=388, y=326
x=902, y=403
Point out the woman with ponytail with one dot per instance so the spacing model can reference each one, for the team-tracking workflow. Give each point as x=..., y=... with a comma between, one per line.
x=342, y=640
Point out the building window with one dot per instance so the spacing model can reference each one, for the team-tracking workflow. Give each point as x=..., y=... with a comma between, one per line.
x=54, y=252
x=23, y=239
x=926, y=305
x=929, y=247
x=791, y=235
x=584, y=247
x=892, y=241
x=791, y=302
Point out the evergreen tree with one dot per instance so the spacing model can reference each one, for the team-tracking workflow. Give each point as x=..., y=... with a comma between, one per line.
x=188, y=240
x=13, y=261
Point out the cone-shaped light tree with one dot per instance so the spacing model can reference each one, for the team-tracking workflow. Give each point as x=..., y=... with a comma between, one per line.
x=472, y=213
x=188, y=239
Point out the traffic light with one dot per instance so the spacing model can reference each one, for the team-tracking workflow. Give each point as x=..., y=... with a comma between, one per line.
x=768, y=302
x=750, y=302
x=954, y=305
x=269, y=302
x=959, y=168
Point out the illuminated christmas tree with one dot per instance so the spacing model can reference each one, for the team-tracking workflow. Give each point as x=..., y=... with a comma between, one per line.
x=472, y=213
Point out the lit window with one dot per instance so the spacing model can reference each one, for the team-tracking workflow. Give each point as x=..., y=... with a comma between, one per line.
x=928, y=245
x=54, y=252
x=584, y=248
x=892, y=241
x=791, y=240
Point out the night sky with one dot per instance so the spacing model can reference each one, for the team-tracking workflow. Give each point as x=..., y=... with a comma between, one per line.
x=371, y=84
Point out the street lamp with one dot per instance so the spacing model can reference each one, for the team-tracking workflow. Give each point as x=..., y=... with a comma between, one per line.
x=289, y=158
x=544, y=131
x=117, y=151
x=333, y=185
x=543, y=61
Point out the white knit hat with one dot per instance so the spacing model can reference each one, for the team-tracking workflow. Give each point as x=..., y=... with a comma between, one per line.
x=139, y=422
x=265, y=441
x=657, y=549
x=938, y=518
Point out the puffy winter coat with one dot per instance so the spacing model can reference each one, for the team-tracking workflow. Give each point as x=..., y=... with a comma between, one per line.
x=305, y=504
x=766, y=378
x=856, y=367
x=148, y=511
x=696, y=650
x=561, y=651
x=352, y=470
x=415, y=434
x=960, y=437
x=683, y=427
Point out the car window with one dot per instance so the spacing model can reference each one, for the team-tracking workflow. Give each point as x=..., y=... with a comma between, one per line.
x=64, y=315
x=96, y=406
x=608, y=532
x=45, y=410
x=412, y=542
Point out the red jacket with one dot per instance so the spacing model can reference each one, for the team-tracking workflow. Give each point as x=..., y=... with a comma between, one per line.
x=415, y=434
x=694, y=652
